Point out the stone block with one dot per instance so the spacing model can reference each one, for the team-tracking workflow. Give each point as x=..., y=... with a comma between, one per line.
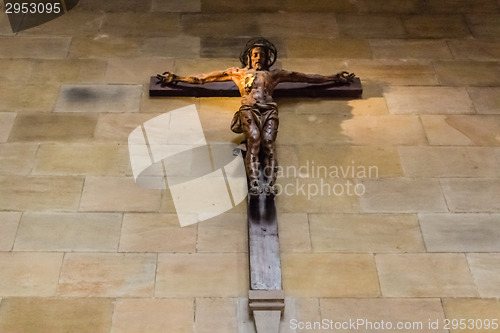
x=68, y=232
x=335, y=275
x=472, y=195
x=156, y=233
x=29, y=274
x=484, y=25
x=473, y=308
x=17, y=158
x=153, y=315
x=485, y=268
x=428, y=100
x=71, y=24
x=440, y=133
x=9, y=222
x=112, y=275
x=409, y=49
x=202, y=275
x=109, y=194
x=40, y=193
x=402, y=195
x=223, y=233
x=216, y=315
x=478, y=50
x=435, y=26
x=372, y=233
x=461, y=232
x=371, y=26
x=485, y=99
x=181, y=46
x=71, y=71
x=46, y=47
x=61, y=127
x=27, y=314
x=294, y=233
x=435, y=162
x=15, y=70
x=425, y=275
x=134, y=24
x=468, y=73
x=136, y=71
x=99, y=98
x=6, y=123
x=395, y=72
x=82, y=159
x=116, y=127
x=176, y=6
x=31, y=97
x=104, y=46
x=328, y=48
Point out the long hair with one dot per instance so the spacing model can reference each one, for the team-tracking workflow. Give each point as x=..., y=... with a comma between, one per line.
x=270, y=49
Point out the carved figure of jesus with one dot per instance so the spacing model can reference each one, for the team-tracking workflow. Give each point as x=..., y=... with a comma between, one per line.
x=257, y=118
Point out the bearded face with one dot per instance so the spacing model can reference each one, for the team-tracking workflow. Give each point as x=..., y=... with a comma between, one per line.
x=258, y=58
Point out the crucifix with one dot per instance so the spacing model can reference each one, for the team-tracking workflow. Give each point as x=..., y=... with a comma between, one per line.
x=258, y=120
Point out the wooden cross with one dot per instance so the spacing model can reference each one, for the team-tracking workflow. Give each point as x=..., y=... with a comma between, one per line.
x=266, y=298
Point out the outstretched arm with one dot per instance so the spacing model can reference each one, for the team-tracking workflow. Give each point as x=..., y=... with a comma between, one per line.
x=339, y=78
x=216, y=76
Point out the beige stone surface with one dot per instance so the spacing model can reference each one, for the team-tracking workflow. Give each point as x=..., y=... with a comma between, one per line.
x=372, y=26
x=12, y=70
x=372, y=233
x=68, y=232
x=296, y=24
x=30, y=97
x=53, y=127
x=156, y=233
x=40, y=192
x=231, y=6
x=174, y=6
x=134, y=24
x=486, y=99
x=116, y=127
x=307, y=195
x=328, y=48
x=103, y=46
x=435, y=26
x=412, y=311
x=223, y=233
x=428, y=100
x=35, y=314
x=472, y=195
x=335, y=275
x=6, y=123
x=395, y=72
x=73, y=23
x=118, y=194
x=473, y=308
x=216, y=315
x=46, y=47
x=468, y=73
x=357, y=162
x=480, y=50
x=440, y=132
x=435, y=162
x=17, y=158
x=136, y=71
x=99, y=98
x=82, y=159
x=112, y=275
x=403, y=195
x=153, y=315
x=114, y=6
x=425, y=275
x=384, y=130
x=409, y=49
x=29, y=274
x=202, y=275
x=484, y=25
x=294, y=233
x=179, y=46
x=482, y=130
x=485, y=268
x=68, y=70
x=461, y=232
x=9, y=222
x=184, y=66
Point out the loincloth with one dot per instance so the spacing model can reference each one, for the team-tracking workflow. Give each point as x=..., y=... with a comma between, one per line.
x=260, y=113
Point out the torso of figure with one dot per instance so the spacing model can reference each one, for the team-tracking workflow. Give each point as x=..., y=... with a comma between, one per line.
x=256, y=86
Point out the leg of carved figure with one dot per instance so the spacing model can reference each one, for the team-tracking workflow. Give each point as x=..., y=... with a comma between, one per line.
x=269, y=134
x=252, y=135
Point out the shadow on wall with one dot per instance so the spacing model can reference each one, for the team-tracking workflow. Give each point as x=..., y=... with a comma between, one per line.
x=26, y=15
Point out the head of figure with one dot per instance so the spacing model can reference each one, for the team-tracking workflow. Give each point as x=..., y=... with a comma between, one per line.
x=259, y=53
